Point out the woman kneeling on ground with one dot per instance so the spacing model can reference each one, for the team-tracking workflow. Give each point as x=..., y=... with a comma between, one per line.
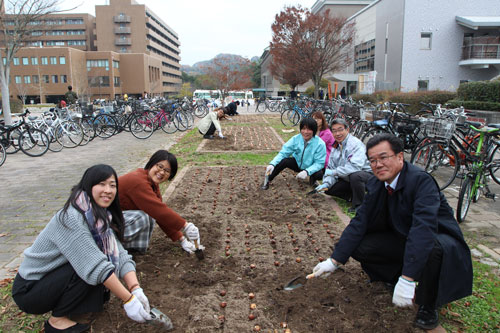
x=142, y=204
x=78, y=259
x=210, y=123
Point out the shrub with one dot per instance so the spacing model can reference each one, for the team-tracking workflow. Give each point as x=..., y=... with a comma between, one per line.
x=485, y=91
x=16, y=105
x=475, y=105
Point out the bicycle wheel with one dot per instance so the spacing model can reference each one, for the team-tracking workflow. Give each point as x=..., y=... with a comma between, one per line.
x=201, y=111
x=465, y=197
x=69, y=134
x=438, y=159
x=3, y=154
x=290, y=118
x=141, y=126
x=261, y=107
x=34, y=142
x=494, y=164
x=104, y=126
x=273, y=106
x=371, y=133
x=11, y=141
x=54, y=145
x=180, y=121
x=167, y=125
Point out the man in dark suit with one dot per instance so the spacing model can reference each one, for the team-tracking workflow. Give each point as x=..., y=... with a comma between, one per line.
x=405, y=232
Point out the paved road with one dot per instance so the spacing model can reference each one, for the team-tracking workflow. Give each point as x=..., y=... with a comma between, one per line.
x=33, y=189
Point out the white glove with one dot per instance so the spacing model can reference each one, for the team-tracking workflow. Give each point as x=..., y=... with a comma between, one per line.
x=322, y=187
x=325, y=268
x=329, y=172
x=404, y=292
x=269, y=169
x=302, y=175
x=139, y=293
x=220, y=135
x=192, y=232
x=135, y=310
x=187, y=245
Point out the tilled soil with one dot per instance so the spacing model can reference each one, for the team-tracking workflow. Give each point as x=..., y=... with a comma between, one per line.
x=255, y=242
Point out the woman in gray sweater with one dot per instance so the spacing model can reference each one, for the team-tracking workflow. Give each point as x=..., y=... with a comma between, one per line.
x=78, y=259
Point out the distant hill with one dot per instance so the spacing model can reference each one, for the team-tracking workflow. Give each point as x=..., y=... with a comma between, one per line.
x=198, y=67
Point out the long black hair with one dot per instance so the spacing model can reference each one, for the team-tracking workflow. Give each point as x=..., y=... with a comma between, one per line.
x=163, y=155
x=92, y=176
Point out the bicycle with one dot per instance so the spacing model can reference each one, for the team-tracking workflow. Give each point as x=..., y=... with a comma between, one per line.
x=476, y=180
x=3, y=154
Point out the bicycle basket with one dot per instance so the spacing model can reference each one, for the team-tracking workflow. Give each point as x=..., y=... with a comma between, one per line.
x=366, y=113
x=405, y=124
x=351, y=110
x=381, y=115
x=442, y=128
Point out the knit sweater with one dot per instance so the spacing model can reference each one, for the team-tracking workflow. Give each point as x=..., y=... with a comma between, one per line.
x=72, y=242
x=138, y=192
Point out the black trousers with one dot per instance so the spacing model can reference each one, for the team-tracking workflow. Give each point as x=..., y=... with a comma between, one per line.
x=211, y=130
x=354, y=189
x=291, y=163
x=61, y=291
x=381, y=257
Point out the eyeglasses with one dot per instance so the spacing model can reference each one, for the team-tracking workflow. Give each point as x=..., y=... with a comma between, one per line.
x=382, y=159
x=340, y=130
x=162, y=168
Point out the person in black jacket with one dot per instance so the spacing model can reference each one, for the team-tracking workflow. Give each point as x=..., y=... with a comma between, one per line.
x=405, y=232
x=231, y=108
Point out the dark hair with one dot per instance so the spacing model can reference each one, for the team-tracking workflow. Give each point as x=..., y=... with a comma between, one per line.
x=320, y=115
x=339, y=121
x=163, y=155
x=309, y=123
x=395, y=143
x=92, y=176
x=238, y=102
x=70, y=88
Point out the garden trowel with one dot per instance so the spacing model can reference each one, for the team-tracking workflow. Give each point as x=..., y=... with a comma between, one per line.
x=298, y=282
x=198, y=252
x=160, y=320
x=316, y=191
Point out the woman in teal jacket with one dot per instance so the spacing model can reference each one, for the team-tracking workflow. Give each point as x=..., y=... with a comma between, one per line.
x=304, y=153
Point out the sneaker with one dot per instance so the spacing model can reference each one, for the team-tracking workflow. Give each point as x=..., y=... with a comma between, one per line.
x=427, y=318
x=353, y=210
x=264, y=186
x=209, y=137
x=77, y=328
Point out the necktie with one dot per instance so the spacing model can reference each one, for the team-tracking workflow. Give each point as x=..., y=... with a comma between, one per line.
x=390, y=191
x=335, y=144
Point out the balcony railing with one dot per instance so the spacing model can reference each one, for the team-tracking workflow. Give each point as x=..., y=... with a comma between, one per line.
x=121, y=19
x=123, y=41
x=122, y=30
x=481, y=48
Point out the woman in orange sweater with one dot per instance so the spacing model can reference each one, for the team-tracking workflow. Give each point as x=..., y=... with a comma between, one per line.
x=142, y=205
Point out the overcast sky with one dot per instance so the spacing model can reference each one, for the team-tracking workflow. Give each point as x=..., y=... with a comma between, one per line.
x=209, y=27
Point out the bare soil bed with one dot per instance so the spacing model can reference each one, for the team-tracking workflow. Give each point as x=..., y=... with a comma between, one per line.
x=281, y=233
x=244, y=138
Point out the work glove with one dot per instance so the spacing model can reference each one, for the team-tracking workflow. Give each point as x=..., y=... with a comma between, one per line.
x=135, y=310
x=269, y=169
x=322, y=187
x=404, y=292
x=220, y=135
x=325, y=268
x=192, y=232
x=329, y=172
x=139, y=293
x=302, y=175
x=187, y=245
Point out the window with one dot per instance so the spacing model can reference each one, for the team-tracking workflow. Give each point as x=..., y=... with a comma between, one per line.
x=116, y=81
x=64, y=79
x=99, y=81
x=27, y=79
x=44, y=61
x=97, y=63
x=45, y=78
x=76, y=42
x=55, y=79
x=35, y=78
x=116, y=64
x=16, y=61
x=26, y=61
x=4, y=60
x=53, y=60
x=423, y=85
x=62, y=60
x=425, y=40
x=17, y=79
x=34, y=61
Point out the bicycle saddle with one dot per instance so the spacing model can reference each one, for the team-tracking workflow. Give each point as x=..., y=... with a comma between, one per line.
x=494, y=125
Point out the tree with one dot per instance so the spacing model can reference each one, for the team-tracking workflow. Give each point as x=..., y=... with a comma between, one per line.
x=186, y=90
x=230, y=74
x=256, y=70
x=317, y=43
x=15, y=32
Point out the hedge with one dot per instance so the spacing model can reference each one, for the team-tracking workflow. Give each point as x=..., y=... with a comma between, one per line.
x=16, y=106
x=412, y=98
x=475, y=105
x=484, y=91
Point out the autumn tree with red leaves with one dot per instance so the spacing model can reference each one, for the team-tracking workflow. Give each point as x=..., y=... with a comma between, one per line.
x=229, y=73
x=311, y=44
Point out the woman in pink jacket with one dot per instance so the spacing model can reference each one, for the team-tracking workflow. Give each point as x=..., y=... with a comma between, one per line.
x=324, y=133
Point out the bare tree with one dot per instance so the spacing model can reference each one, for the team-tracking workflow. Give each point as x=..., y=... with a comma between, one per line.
x=22, y=90
x=16, y=30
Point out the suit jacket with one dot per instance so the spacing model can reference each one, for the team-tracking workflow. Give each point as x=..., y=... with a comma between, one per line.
x=420, y=213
